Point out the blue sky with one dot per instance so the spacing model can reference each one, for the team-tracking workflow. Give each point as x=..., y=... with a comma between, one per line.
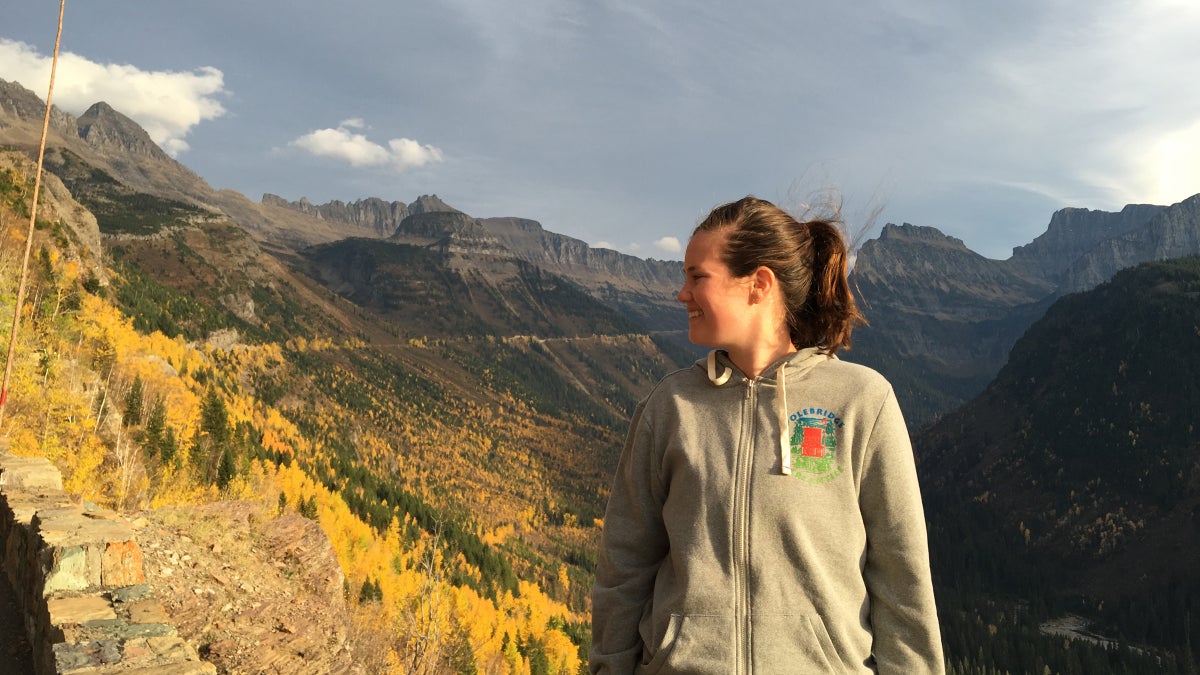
x=622, y=123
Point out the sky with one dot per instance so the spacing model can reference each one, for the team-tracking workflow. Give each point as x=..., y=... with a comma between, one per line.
x=623, y=123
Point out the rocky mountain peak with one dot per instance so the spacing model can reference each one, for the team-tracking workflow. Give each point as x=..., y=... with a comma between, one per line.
x=438, y=224
x=919, y=234
x=106, y=129
x=104, y=139
x=430, y=204
x=20, y=104
x=17, y=101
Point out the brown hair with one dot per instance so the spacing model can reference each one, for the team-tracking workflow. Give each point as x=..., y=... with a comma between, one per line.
x=808, y=258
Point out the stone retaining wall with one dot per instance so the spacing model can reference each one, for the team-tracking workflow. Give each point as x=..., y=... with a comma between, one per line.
x=78, y=576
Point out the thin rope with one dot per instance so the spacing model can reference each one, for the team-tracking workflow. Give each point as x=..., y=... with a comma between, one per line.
x=37, y=185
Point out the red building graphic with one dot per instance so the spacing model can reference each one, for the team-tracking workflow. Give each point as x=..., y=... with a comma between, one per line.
x=814, y=442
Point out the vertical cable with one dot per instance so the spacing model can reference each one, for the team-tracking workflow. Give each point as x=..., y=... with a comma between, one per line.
x=37, y=185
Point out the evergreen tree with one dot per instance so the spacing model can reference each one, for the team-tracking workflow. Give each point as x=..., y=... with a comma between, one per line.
x=210, y=445
x=226, y=468
x=152, y=438
x=214, y=418
x=168, y=450
x=308, y=507
x=132, y=415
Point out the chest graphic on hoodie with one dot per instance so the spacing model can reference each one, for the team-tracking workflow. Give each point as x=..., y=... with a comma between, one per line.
x=814, y=444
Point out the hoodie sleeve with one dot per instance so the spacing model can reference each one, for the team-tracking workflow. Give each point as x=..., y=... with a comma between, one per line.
x=903, y=615
x=633, y=546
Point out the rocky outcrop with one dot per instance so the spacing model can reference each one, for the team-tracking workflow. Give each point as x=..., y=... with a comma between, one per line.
x=57, y=204
x=430, y=204
x=1172, y=232
x=376, y=215
x=20, y=104
x=108, y=130
x=1072, y=233
x=103, y=138
x=255, y=591
x=567, y=255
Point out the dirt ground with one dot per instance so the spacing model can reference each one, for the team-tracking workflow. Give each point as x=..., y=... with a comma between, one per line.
x=252, y=592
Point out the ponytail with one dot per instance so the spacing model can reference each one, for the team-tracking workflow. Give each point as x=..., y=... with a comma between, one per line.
x=808, y=258
x=829, y=313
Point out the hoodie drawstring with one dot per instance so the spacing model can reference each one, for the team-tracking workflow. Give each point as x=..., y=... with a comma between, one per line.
x=712, y=370
x=785, y=446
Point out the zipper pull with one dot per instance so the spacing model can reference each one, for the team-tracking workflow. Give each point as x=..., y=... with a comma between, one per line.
x=749, y=388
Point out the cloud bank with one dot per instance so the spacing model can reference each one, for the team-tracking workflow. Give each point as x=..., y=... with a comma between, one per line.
x=668, y=245
x=167, y=104
x=346, y=144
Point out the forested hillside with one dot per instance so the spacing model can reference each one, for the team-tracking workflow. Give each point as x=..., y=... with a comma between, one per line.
x=1072, y=486
x=460, y=474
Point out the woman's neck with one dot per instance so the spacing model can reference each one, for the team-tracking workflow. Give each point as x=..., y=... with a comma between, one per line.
x=757, y=358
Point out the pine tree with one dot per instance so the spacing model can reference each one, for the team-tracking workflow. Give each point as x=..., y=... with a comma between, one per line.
x=168, y=450
x=132, y=415
x=213, y=440
x=152, y=439
x=226, y=468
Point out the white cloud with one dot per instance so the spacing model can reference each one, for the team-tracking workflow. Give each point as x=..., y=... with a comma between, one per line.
x=603, y=244
x=668, y=245
x=359, y=151
x=166, y=104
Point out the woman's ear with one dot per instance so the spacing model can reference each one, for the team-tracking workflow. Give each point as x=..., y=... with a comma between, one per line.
x=762, y=281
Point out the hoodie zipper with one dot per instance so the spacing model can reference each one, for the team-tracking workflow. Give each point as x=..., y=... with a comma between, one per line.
x=741, y=534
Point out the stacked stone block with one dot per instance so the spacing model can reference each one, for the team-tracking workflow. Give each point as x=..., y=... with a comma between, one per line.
x=78, y=575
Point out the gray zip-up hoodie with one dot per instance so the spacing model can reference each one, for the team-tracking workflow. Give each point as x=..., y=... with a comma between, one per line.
x=766, y=525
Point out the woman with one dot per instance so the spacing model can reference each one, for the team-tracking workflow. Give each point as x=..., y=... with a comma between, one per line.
x=765, y=516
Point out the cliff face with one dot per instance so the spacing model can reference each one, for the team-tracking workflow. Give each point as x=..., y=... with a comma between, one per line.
x=1172, y=232
x=1072, y=233
x=373, y=214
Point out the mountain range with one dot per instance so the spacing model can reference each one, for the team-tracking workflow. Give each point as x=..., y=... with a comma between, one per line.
x=473, y=375
x=943, y=318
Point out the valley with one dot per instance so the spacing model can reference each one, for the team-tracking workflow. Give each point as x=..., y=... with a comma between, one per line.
x=445, y=396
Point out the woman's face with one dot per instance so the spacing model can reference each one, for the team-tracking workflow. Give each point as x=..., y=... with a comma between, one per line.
x=717, y=303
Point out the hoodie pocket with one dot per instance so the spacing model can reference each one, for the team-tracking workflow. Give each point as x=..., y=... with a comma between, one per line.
x=793, y=643
x=693, y=643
